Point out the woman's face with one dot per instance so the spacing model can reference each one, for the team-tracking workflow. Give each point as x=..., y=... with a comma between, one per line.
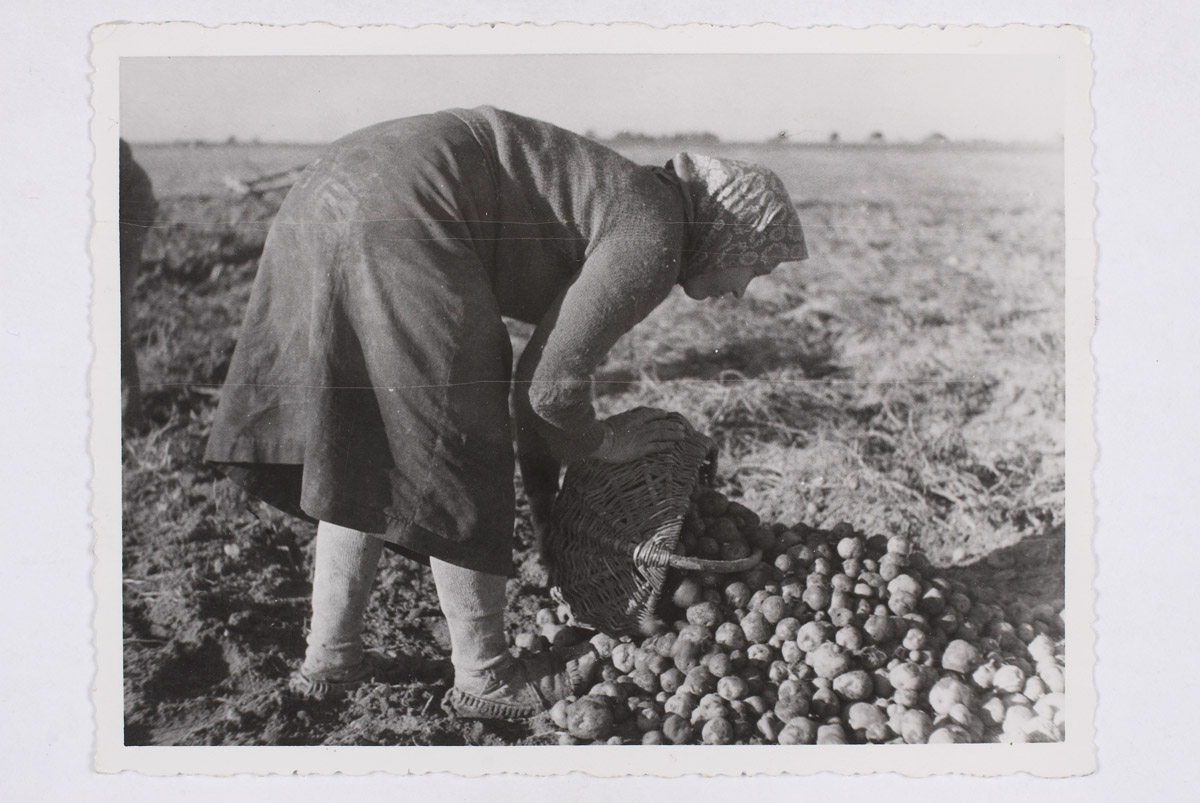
x=731, y=281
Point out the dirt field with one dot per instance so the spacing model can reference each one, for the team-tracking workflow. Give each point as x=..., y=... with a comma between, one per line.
x=908, y=378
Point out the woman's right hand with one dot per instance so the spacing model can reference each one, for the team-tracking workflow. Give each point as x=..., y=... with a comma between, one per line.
x=636, y=433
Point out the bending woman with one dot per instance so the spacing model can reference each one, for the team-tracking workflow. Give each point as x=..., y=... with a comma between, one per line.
x=369, y=388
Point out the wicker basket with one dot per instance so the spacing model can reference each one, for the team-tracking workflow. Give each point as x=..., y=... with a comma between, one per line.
x=615, y=533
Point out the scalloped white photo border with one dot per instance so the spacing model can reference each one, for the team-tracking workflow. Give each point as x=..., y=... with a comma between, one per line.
x=1075, y=756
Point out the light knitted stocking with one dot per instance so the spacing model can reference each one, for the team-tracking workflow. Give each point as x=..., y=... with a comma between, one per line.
x=473, y=603
x=346, y=561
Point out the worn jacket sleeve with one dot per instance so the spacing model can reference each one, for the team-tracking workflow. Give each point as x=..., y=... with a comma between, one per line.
x=622, y=280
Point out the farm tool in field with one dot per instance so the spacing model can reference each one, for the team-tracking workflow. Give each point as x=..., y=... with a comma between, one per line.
x=281, y=180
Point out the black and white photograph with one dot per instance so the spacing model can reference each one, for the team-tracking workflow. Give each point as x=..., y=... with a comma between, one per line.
x=574, y=398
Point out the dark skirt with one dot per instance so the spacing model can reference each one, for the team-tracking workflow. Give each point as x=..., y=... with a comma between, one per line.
x=369, y=387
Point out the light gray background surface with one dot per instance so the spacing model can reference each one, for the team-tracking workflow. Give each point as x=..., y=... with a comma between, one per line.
x=1147, y=345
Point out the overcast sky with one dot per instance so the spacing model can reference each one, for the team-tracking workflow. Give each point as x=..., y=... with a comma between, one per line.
x=319, y=98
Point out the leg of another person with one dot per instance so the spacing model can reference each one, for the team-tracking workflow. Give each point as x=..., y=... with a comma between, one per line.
x=346, y=562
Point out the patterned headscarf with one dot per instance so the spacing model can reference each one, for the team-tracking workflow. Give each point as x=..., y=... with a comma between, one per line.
x=742, y=215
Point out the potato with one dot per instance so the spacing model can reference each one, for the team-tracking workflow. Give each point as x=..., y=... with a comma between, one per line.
x=698, y=633
x=663, y=644
x=700, y=681
x=812, y=634
x=1051, y=707
x=769, y=725
x=710, y=503
x=1041, y=648
x=682, y=703
x=1052, y=674
x=905, y=583
x=756, y=628
x=653, y=737
x=719, y=664
x=774, y=609
x=915, y=639
x=948, y=692
x=558, y=713
x=759, y=654
x=863, y=715
x=604, y=644
x=907, y=676
x=737, y=594
x=648, y=719
x=717, y=731
x=831, y=734
x=817, y=598
x=645, y=680
x=902, y=603
x=589, y=718
x=745, y=516
x=891, y=567
x=842, y=599
x=916, y=726
x=1009, y=679
x=730, y=636
x=932, y=603
x=1015, y=718
x=787, y=628
x=1034, y=689
x=686, y=654
x=991, y=711
x=871, y=657
x=841, y=582
x=612, y=691
x=723, y=530
x=949, y=734
x=854, y=685
x=677, y=730
x=710, y=706
x=733, y=688
x=983, y=675
x=850, y=637
x=734, y=550
x=851, y=547
x=671, y=680
x=704, y=614
x=791, y=588
x=623, y=657
x=829, y=660
x=792, y=707
x=759, y=537
x=877, y=628
x=799, y=731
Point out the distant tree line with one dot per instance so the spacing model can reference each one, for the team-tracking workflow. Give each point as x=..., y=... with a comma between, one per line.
x=640, y=138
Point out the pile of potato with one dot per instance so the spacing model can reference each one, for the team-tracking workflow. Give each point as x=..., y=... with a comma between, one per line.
x=836, y=638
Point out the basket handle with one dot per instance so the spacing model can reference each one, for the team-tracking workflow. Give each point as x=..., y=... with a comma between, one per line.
x=720, y=566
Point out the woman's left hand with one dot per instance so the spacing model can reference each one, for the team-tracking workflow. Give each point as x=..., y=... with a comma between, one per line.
x=638, y=432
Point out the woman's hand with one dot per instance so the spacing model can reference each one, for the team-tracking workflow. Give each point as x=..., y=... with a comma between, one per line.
x=637, y=433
